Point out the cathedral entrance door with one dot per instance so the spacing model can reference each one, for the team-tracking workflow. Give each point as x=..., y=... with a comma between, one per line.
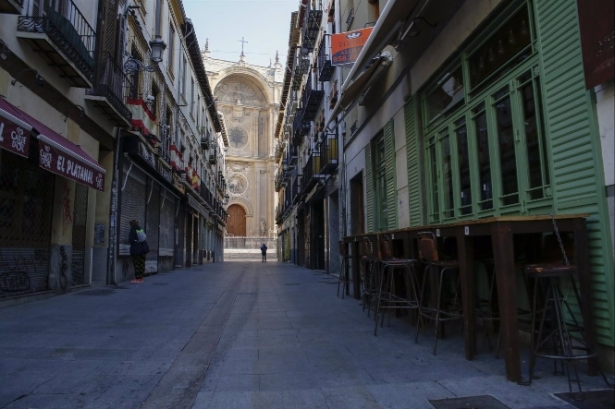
x=236, y=221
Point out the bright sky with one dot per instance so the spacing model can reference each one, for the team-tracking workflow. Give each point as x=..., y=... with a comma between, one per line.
x=263, y=23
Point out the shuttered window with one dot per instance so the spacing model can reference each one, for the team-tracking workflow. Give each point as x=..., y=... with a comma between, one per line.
x=486, y=150
x=369, y=188
x=412, y=153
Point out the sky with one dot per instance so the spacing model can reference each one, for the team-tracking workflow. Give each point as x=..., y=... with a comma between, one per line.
x=263, y=23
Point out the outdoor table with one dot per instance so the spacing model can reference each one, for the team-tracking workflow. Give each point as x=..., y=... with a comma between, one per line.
x=501, y=230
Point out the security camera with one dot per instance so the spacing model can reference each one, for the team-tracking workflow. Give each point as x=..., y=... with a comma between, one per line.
x=150, y=98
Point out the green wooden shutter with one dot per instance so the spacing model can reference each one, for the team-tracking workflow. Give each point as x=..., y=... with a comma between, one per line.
x=412, y=153
x=576, y=167
x=391, y=179
x=369, y=187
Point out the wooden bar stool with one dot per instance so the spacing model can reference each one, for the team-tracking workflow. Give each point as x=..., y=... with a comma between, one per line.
x=393, y=271
x=371, y=265
x=343, y=277
x=556, y=332
x=436, y=270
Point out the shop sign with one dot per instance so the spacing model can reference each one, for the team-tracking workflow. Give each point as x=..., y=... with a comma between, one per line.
x=147, y=155
x=346, y=47
x=70, y=167
x=14, y=138
x=597, y=40
x=165, y=172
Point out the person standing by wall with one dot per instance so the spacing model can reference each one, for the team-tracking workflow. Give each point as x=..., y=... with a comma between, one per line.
x=138, y=250
x=264, y=252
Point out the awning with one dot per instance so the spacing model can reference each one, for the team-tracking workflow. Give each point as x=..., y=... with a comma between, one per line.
x=56, y=153
x=394, y=15
x=352, y=91
x=14, y=130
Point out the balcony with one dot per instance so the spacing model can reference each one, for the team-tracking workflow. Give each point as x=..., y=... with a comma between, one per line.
x=278, y=181
x=205, y=142
x=325, y=69
x=299, y=128
x=11, y=6
x=296, y=193
x=293, y=156
x=311, y=27
x=302, y=67
x=328, y=156
x=311, y=172
x=109, y=92
x=63, y=38
x=311, y=101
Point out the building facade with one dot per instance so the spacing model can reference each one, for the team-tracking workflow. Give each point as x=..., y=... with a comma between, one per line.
x=456, y=111
x=248, y=96
x=98, y=128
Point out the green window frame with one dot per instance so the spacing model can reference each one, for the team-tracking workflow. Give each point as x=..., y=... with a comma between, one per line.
x=485, y=144
x=380, y=183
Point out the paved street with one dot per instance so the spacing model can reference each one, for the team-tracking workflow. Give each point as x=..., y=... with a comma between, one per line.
x=237, y=335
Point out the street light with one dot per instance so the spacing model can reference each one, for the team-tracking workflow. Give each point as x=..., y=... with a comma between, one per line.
x=157, y=48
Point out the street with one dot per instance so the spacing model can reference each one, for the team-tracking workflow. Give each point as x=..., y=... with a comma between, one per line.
x=238, y=335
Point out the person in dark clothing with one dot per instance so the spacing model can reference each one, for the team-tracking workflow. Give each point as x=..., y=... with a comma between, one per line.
x=138, y=250
x=264, y=253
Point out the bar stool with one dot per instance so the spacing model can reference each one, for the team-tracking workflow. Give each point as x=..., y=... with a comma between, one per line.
x=371, y=264
x=392, y=271
x=343, y=277
x=436, y=271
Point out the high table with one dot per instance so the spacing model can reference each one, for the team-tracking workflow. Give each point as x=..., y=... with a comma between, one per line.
x=501, y=230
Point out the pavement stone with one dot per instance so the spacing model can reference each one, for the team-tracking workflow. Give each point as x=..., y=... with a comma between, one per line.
x=239, y=335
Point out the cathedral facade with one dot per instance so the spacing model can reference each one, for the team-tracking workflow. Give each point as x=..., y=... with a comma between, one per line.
x=248, y=96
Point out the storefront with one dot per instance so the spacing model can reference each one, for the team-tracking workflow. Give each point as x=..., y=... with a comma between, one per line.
x=147, y=194
x=32, y=160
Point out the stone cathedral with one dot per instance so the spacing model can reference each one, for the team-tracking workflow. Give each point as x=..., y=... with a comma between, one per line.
x=248, y=96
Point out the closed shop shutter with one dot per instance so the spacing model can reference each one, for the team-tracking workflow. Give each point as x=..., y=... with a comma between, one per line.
x=26, y=204
x=412, y=151
x=168, y=203
x=577, y=177
x=133, y=204
x=151, y=226
x=391, y=180
x=369, y=188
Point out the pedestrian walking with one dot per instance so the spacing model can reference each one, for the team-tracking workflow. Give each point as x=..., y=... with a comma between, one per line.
x=138, y=250
x=264, y=252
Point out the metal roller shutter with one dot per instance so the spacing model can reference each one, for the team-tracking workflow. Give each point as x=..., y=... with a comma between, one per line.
x=132, y=205
x=168, y=203
x=152, y=226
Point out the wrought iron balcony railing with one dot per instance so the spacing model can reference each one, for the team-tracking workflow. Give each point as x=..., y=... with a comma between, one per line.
x=325, y=69
x=311, y=172
x=296, y=189
x=311, y=100
x=112, y=84
x=329, y=155
x=311, y=27
x=68, y=29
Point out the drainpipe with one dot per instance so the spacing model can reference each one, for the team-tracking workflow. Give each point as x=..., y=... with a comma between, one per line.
x=113, y=211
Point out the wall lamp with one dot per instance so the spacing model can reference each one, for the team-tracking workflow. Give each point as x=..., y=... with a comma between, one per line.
x=157, y=49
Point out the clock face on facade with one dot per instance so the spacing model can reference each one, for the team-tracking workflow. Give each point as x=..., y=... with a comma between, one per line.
x=238, y=137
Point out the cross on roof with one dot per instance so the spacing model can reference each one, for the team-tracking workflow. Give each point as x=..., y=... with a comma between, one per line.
x=243, y=42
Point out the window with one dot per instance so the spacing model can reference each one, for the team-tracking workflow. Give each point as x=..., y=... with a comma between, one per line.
x=192, y=97
x=485, y=146
x=182, y=77
x=170, y=60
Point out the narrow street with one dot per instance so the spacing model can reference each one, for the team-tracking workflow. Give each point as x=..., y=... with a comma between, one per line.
x=237, y=335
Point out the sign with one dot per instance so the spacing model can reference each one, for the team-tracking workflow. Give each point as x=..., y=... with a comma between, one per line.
x=56, y=161
x=346, y=47
x=14, y=138
x=597, y=40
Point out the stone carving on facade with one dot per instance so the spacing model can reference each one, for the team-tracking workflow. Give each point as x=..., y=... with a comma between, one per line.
x=238, y=184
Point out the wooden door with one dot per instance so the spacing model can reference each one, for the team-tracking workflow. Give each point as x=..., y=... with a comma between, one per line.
x=236, y=221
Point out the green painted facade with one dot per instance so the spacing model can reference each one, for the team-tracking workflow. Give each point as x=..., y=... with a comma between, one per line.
x=521, y=140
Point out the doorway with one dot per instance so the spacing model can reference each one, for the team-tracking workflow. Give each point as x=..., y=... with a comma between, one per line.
x=236, y=221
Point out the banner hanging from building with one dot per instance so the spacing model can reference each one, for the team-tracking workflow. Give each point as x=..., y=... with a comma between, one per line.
x=346, y=47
